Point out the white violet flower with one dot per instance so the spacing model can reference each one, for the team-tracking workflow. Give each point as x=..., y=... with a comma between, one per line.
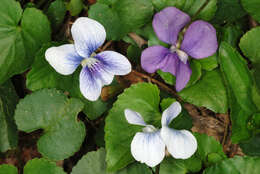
x=98, y=69
x=149, y=146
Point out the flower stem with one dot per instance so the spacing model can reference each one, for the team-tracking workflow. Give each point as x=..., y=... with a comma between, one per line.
x=157, y=170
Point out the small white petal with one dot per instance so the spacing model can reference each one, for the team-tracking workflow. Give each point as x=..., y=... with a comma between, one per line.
x=134, y=117
x=88, y=35
x=64, y=59
x=114, y=62
x=90, y=85
x=182, y=56
x=181, y=144
x=148, y=148
x=170, y=113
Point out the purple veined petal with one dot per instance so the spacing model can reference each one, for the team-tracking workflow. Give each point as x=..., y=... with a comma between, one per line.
x=148, y=148
x=90, y=84
x=114, y=63
x=153, y=58
x=170, y=113
x=200, y=40
x=181, y=144
x=133, y=117
x=182, y=76
x=168, y=23
x=64, y=59
x=92, y=79
x=88, y=36
x=171, y=63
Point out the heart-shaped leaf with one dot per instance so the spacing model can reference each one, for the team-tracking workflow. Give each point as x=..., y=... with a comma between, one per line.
x=52, y=111
x=94, y=163
x=209, y=92
x=21, y=35
x=143, y=98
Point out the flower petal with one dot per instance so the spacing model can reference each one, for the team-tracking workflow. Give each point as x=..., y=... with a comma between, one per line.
x=90, y=84
x=134, y=117
x=88, y=35
x=181, y=144
x=171, y=63
x=153, y=58
x=170, y=113
x=200, y=40
x=64, y=59
x=114, y=63
x=182, y=76
x=148, y=148
x=168, y=23
x=92, y=79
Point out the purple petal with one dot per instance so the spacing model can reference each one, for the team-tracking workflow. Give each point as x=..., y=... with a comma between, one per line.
x=200, y=40
x=182, y=76
x=114, y=63
x=153, y=58
x=171, y=63
x=64, y=59
x=88, y=35
x=168, y=23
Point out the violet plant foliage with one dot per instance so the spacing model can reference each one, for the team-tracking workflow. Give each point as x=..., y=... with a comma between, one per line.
x=199, y=41
x=98, y=69
x=149, y=146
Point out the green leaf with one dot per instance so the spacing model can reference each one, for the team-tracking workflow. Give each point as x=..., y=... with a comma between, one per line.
x=190, y=6
x=231, y=34
x=178, y=166
x=8, y=169
x=236, y=165
x=42, y=166
x=143, y=98
x=239, y=81
x=52, y=111
x=167, y=77
x=208, y=146
x=8, y=131
x=75, y=7
x=250, y=46
x=209, y=92
x=56, y=13
x=21, y=35
x=226, y=14
x=209, y=63
x=196, y=72
x=183, y=120
x=251, y=146
x=94, y=163
x=252, y=7
x=134, y=13
x=134, y=53
x=109, y=19
x=42, y=75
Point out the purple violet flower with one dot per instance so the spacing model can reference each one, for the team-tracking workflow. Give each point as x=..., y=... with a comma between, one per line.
x=199, y=41
x=98, y=69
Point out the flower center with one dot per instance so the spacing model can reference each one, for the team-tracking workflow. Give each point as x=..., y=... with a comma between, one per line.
x=149, y=128
x=181, y=54
x=90, y=61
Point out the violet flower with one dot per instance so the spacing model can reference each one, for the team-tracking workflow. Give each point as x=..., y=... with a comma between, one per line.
x=98, y=69
x=149, y=146
x=200, y=41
